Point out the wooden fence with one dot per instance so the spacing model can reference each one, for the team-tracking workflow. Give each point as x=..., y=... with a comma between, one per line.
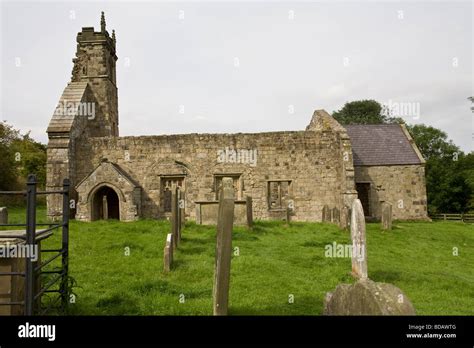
x=469, y=218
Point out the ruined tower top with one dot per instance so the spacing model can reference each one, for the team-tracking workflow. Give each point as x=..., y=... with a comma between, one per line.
x=95, y=63
x=103, y=65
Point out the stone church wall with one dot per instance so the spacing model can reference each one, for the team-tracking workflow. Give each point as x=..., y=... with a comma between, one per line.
x=310, y=161
x=401, y=185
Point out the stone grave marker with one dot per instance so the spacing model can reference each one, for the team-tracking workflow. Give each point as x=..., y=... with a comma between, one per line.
x=344, y=220
x=359, y=250
x=249, y=211
x=386, y=216
x=174, y=217
x=225, y=222
x=335, y=217
x=168, y=253
x=326, y=214
x=3, y=215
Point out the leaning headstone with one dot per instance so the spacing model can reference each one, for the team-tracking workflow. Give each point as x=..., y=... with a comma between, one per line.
x=249, y=211
x=386, y=216
x=168, y=253
x=359, y=252
x=344, y=222
x=225, y=222
x=335, y=217
x=3, y=215
x=367, y=297
x=326, y=214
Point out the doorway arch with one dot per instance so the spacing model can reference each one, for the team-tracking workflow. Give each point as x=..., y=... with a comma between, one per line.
x=105, y=204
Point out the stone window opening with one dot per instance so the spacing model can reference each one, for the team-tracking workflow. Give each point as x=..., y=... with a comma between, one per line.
x=167, y=184
x=278, y=193
x=237, y=183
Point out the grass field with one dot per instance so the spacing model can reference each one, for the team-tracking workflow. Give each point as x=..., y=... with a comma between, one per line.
x=274, y=261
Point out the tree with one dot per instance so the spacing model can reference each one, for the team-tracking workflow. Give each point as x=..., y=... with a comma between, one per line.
x=447, y=185
x=8, y=170
x=20, y=155
x=360, y=112
x=433, y=142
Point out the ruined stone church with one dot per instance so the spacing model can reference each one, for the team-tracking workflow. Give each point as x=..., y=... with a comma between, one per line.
x=132, y=177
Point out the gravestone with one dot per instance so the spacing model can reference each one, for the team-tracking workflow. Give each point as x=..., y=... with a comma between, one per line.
x=249, y=211
x=386, y=216
x=335, y=217
x=168, y=253
x=3, y=215
x=225, y=222
x=105, y=208
x=178, y=213
x=326, y=214
x=174, y=218
x=359, y=252
x=182, y=209
x=367, y=297
x=344, y=219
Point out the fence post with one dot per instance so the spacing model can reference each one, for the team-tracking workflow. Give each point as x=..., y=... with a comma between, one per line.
x=65, y=243
x=30, y=242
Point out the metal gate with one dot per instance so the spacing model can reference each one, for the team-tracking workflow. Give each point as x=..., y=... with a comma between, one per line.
x=32, y=236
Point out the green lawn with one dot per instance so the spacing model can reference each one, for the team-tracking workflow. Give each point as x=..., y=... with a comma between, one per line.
x=274, y=261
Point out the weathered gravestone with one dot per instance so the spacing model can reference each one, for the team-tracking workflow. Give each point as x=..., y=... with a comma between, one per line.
x=105, y=208
x=182, y=210
x=386, y=216
x=344, y=220
x=367, y=297
x=335, y=217
x=359, y=252
x=3, y=215
x=249, y=211
x=168, y=253
x=174, y=217
x=178, y=214
x=225, y=222
x=326, y=214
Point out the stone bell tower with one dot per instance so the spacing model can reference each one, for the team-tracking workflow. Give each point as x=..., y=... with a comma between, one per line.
x=87, y=108
x=95, y=63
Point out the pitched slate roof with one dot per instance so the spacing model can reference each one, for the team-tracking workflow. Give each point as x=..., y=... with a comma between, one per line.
x=381, y=144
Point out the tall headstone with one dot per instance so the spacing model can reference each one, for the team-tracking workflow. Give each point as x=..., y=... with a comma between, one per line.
x=168, y=253
x=249, y=211
x=3, y=215
x=386, y=216
x=105, y=208
x=178, y=213
x=335, y=216
x=344, y=220
x=182, y=207
x=225, y=222
x=174, y=217
x=326, y=214
x=359, y=250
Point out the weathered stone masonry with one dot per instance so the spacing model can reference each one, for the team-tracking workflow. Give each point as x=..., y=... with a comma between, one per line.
x=132, y=177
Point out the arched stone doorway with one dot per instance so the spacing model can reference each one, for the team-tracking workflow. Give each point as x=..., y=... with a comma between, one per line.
x=105, y=204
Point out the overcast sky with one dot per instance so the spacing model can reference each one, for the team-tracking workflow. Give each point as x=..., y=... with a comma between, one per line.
x=246, y=66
